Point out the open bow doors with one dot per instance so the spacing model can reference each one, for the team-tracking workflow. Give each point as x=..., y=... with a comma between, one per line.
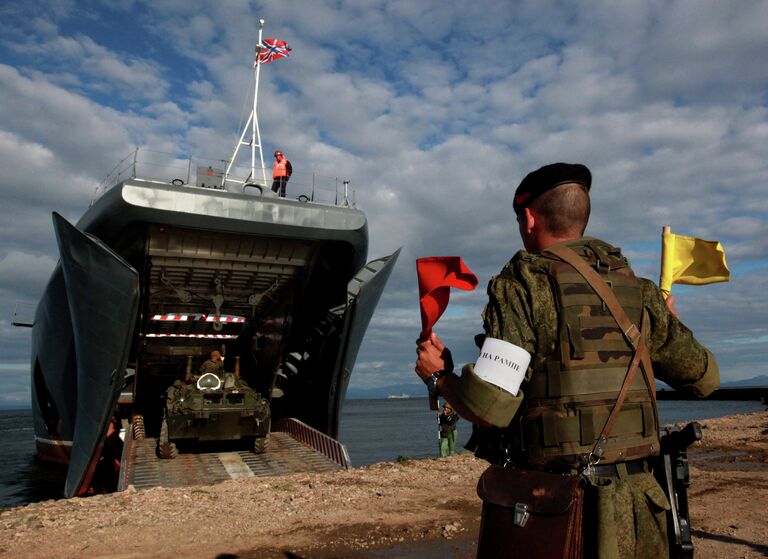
x=363, y=294
x=102, y=293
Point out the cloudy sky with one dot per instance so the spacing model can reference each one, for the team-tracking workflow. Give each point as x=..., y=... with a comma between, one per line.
x=434, y=111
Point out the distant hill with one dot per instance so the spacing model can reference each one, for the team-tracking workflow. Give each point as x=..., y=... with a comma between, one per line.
x=760, y=380
x=417, y=390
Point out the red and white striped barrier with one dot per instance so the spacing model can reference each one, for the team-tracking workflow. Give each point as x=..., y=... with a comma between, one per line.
x=172, y=317
x=223, y=318
x=197, y=318
x=205, y=336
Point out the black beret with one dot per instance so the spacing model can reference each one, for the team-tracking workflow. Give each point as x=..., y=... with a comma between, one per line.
x=547, y=178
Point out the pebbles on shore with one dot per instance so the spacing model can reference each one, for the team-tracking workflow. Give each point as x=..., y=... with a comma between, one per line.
x=377, y=507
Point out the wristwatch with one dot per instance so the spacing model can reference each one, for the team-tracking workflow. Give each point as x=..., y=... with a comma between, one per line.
x=432, y=381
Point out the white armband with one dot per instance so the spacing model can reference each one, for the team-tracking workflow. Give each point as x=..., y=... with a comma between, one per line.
x=502, y=364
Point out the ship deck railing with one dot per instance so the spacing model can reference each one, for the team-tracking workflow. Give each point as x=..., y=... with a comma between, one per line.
x=164, y=167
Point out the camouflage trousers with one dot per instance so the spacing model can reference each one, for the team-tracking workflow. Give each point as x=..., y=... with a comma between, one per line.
x=625, y=517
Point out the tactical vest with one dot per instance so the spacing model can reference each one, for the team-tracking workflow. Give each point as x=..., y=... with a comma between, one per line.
x=572, y=391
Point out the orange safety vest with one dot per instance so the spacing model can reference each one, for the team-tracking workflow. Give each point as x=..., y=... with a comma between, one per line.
x=281, y=169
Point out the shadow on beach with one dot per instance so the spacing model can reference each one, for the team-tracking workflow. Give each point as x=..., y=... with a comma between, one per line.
x=758, y=547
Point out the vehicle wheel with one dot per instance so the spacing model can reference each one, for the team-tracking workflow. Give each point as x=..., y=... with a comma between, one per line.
x=137, y=426
x=260, y=444
x=165, y=448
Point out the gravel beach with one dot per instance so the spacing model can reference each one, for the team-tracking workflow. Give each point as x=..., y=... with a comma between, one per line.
x=415, y=508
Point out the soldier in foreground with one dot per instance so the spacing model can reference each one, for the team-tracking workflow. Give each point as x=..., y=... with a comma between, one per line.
x=585, y=406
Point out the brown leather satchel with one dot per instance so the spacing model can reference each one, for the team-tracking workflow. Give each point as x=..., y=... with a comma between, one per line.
x=531, y=514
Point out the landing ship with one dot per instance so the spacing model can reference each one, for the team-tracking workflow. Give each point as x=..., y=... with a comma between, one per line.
x=155, y=276
x=165, y=267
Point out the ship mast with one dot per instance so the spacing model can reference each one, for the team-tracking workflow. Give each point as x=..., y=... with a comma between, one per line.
x=253, y=124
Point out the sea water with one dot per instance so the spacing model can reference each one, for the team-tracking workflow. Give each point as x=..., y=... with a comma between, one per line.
x=372, y=430
x=384, y=430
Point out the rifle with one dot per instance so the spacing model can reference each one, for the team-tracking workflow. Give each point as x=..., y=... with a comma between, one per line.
x=673, y=475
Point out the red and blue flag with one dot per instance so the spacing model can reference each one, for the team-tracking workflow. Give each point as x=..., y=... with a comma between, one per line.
x=272, y=49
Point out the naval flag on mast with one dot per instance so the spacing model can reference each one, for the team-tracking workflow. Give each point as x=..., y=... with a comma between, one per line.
x=271, y=49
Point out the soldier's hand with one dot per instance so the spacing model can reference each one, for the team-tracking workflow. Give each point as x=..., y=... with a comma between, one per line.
x=445, y=353
x=433, y=356
x=671, y=305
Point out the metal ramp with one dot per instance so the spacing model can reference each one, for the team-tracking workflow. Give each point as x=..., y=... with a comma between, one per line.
x=142, y=469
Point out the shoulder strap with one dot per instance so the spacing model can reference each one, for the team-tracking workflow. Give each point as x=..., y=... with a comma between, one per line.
x=631, y=333
x=635, y=337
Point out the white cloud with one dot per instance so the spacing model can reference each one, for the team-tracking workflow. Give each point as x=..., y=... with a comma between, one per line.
x=434, y=111
x=128, y=77
x=71, y=125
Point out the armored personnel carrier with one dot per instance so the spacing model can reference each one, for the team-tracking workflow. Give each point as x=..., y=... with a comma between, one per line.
x=215, y=408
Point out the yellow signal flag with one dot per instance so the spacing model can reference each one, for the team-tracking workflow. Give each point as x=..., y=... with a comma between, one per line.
x=690, y=261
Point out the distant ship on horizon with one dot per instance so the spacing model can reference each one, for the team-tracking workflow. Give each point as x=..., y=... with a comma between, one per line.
x=402, y=396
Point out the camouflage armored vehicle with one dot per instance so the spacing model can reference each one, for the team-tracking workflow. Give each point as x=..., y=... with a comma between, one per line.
x=215, y=408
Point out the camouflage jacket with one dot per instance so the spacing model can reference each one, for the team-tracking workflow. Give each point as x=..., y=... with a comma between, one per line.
x=521, y=310
x=211, y=366
x=628, y=519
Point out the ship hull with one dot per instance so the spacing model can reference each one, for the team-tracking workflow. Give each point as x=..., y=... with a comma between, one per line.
x=155, y=276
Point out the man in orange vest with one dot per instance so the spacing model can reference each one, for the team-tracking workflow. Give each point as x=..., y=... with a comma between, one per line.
x=281, y=172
